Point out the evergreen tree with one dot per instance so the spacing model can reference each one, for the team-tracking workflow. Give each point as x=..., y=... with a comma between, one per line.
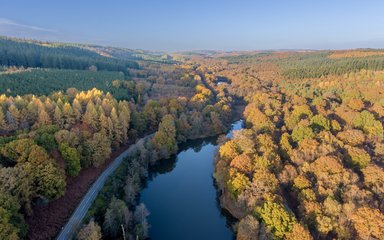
x=3, y=124
x=90, y=116
x=43, y=118
x=68, y=115
x=58, y=117
x=117, y=128
x=13, y=117
x=77, y=109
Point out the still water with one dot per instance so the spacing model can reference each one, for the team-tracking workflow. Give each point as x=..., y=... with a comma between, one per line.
x=182, y=198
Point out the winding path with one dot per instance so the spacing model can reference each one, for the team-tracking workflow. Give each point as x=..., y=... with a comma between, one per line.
x=77, y=217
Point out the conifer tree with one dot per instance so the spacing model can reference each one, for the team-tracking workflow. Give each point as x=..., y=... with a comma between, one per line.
x=3, y=124
x=90, y=117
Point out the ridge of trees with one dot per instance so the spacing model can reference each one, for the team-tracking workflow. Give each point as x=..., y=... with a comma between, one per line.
x=30, y=54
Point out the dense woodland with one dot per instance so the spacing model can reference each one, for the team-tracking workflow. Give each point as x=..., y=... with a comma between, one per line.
x=44, y=55
x=309, y=164
x=48, y=137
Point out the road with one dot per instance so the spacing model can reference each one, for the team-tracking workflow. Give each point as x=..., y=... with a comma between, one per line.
x=77, y=217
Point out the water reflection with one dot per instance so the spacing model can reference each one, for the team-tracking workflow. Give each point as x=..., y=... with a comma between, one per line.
x=182, y=197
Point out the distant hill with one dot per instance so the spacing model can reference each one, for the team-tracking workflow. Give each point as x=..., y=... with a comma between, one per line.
x=38, y=54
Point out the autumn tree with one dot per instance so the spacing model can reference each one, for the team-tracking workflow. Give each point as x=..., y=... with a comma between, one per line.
x=248, y=228
x=357, y=157
x=164, y=139
x=90, y=116
x=300, y=133
x=368, y=223
x=3, y=124
x=99, y=148
x=366, y=121
x=276, y=218
x=90, y=231
x=319, y=122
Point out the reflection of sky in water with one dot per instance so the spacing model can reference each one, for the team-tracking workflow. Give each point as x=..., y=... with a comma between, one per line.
x=182, y=197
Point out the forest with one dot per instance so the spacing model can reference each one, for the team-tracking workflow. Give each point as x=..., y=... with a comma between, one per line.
x=308, y=163
x=51, y=134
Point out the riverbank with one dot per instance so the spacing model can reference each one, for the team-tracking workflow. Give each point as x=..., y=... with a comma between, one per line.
x=133, y=175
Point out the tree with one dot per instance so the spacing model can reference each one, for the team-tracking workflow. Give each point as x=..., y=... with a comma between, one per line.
x=124, y=119
x=117, y=128
x=46, y=140
x=260, y=122
x=248, y=229
x=264, y=186
x=243, y=164
x=357, y=157
x=374, y=179
x=352, y=137
x=65, y=136
x=276, y=218
x=117, y=214
x=13, y=117
x=299, y=233
x=7, y=230
x=140, y=217
x=90, y=231
x=3, y=124
x=18, y=151
x=237, y=183
x=151, y=113
x=217, y=124
x=19, y=184
x=164, y=140
x=90, y=116
x=229, y=151
x=43, y=118
x=58, y=117
x=366, y=121
x=12, y=191
x=50, y=181
x=330, y=175
x=77, y=109
x=99, y=147
x=368, y=223
x=104, y=125
x=182, y=127
x=299, y=112
x=319, y=122
x=72, y=159
x=356, y=104
x=68, y=115
x=300, y=133
x=285, y=145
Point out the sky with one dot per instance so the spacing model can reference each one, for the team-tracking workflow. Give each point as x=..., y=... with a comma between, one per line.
x=180, y=25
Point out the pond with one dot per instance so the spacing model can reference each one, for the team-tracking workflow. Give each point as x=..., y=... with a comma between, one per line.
x=181, y=195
